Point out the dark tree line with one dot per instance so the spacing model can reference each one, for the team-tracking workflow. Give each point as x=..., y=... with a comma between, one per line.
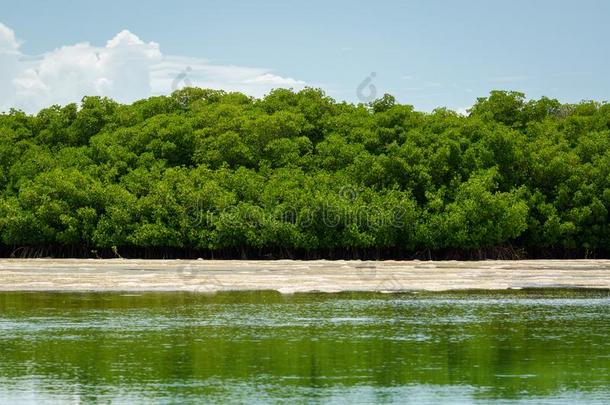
x=297, y=174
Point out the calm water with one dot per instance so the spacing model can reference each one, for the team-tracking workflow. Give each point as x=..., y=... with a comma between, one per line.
x=265, y=347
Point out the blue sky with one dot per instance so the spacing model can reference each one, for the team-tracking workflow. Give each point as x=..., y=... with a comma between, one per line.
x=426, y=53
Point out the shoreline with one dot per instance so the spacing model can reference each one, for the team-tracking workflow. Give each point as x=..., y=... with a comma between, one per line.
x=291, y=276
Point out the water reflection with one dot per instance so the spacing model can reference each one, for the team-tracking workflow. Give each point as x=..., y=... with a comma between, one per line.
x=526, y=346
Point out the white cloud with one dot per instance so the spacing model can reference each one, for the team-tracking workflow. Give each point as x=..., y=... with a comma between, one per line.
x=463, y=111
x=9, y=59
x=8, y=42
x=125, y=69
x=175, y=72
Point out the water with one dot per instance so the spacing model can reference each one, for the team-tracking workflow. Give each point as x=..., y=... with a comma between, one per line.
x=516, y=347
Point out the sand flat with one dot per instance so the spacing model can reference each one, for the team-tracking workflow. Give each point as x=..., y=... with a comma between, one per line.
x=288, y=276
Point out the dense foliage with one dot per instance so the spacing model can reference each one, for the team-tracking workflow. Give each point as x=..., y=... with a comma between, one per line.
x=298, y=174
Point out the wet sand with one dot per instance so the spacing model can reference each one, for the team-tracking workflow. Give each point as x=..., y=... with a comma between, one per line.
x=289, y=276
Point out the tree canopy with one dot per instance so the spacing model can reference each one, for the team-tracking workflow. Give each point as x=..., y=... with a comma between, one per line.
x=297, y=174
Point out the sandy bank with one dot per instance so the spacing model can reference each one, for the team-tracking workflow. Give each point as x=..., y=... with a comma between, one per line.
x=297, y=276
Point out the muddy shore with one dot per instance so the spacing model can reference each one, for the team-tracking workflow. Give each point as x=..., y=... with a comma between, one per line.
x=289, y=276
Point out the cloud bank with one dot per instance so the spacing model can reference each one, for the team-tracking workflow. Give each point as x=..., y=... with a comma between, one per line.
x=125, y=69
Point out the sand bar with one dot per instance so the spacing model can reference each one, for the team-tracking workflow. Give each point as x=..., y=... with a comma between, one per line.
x=289, y=276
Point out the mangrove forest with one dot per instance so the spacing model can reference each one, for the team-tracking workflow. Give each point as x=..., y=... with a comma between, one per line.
x=207, y=173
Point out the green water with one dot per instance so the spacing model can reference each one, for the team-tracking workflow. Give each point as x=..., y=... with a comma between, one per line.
x=344, y=348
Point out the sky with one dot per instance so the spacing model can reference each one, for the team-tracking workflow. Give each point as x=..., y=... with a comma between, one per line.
x=427, y=53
